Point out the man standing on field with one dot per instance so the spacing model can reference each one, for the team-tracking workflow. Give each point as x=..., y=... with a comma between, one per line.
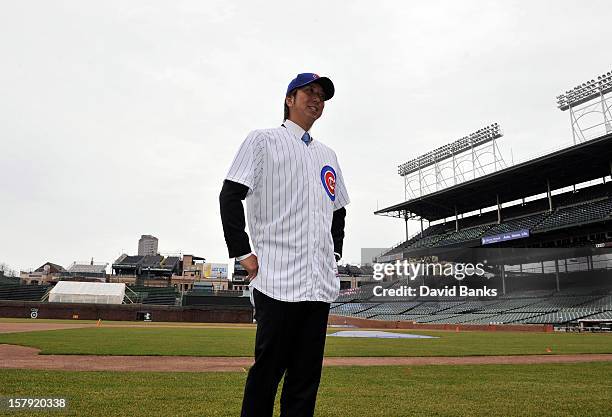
x=295, y=196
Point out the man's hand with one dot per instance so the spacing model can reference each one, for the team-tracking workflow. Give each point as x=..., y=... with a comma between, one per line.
x=251, y=265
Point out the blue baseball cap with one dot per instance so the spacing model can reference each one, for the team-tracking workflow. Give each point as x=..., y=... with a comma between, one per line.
x=308, y=78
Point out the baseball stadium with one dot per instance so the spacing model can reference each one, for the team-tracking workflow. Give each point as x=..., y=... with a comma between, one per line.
x=536, y=342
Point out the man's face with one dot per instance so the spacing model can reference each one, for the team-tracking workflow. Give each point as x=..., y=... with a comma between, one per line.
x=308, y=102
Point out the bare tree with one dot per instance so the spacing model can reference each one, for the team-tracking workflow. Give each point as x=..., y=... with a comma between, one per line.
x=6, y=270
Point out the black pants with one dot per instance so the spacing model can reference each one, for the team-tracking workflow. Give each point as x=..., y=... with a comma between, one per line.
x=290, y=340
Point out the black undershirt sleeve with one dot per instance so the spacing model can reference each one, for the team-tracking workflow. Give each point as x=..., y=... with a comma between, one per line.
x=232, y=218
x=337, y=229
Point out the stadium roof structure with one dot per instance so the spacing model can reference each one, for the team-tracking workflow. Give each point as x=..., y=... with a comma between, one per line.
x=171, y=262
x=148, y=262
x=87, y=268
x=579, y=163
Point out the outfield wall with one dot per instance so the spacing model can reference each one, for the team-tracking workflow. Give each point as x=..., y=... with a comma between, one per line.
x=127, y=312
x=380, y=324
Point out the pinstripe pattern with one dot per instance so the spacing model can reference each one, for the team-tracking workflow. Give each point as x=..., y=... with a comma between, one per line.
x=289, y=213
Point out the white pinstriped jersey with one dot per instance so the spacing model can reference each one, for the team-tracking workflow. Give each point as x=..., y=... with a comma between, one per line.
x=294, y=189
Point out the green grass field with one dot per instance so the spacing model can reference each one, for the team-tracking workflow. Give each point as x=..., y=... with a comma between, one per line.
x=239, y=342
x=581, y=389
x=470, y=391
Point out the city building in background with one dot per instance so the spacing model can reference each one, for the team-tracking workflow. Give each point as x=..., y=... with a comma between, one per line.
x=197, y=273
x=147, y=245
x=239, y=278
x=46, y=273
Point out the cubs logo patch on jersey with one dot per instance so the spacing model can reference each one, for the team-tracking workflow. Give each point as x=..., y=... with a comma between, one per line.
x=328, y=178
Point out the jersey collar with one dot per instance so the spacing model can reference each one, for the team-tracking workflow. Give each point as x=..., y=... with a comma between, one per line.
x=296, y=130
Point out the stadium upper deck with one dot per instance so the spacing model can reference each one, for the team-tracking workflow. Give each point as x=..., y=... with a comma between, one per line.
x=579, y=163
x=558, y=219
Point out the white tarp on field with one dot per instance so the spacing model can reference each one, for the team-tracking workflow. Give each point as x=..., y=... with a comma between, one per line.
x=380, y=335
x=87, y=292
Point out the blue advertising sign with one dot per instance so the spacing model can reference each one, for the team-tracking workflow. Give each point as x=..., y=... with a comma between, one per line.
x=518, y=234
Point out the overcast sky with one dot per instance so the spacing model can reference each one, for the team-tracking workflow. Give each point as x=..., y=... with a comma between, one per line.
x=121, y=118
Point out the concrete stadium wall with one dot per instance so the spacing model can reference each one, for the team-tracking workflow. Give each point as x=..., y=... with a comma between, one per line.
x=379, y=324
x=126, y=312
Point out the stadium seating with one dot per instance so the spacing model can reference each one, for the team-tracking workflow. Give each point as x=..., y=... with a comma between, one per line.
x=429, y=241
x=467, y=307
x=510, y=304
x=466, y=318
x=155, y=295
x=463, y=235
x=436, y=318
x=431, y=307
x=582, y=195
x=528, y=294
x=220, y=293
x=525, y=222
x=393, y=308
x=346, y=296
x=599, y=304
x=9, y=280
x=397, y=317
x=555, y=304
x=351, y=308
x=558, y=317
x=438, y=229
x=504, y=318
x=605, y=315
x=522, y=307
x=145, y=295
x=590, y=204
x=578, y=214
x=23, y=292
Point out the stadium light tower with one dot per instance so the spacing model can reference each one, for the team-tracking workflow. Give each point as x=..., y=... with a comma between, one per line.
x=446, y=164
x=585, y=99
